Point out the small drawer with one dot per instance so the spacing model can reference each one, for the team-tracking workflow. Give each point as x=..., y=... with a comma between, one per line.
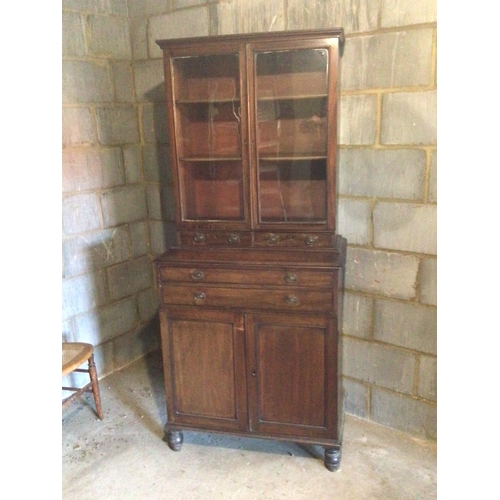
x=282, y=299
x=285, y=277
x=200, y=238
x=309, y=240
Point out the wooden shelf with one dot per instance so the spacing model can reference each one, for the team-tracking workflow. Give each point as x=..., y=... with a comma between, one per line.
x=291, y=97
x=203, y=159
x=208, y=101
x=293, y=157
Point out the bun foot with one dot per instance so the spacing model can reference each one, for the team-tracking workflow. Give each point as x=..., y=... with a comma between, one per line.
x=332, y=458
x=174, y=440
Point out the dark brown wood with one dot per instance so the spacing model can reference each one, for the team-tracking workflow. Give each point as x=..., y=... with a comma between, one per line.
x=282, y=239
x=243, y=133
x=250, y=299
x=257, y=258
x=204, y=356
x=223, y=238
x=174, y=439
x=274, y=277
x=286, y=36
x=290, y=299
x=332, y=458
x=295, y=375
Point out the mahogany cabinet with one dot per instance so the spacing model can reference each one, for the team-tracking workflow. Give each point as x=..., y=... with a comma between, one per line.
x=250, y=296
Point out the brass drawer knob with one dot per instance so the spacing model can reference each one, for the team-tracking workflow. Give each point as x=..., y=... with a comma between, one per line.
x=291, y=278
x=197, y=275
x=233, y=238
x=272, y=239
x=291, y=300
x=311, y=239
x=199, y=238
x=199, y=296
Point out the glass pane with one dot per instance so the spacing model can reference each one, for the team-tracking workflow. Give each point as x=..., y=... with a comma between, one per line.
x=292, y=127
x=292, y=73
x=292, y=105
x=211, y=190
x=210, y=130
x=292, y=190
x=202, y=78
x=208, y=113
x=208, y=136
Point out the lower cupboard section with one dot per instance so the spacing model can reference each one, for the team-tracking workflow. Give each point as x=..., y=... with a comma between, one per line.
x=267, y=374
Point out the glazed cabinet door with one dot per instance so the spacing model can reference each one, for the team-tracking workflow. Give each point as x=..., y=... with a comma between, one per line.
x=292, y=373
x=207, y=110
x=204, y=366
x=294, y=126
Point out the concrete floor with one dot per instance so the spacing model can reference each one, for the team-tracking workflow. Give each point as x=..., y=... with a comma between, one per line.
x=124, y=456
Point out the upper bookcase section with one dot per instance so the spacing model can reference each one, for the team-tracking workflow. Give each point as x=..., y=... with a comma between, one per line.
x=253, y=130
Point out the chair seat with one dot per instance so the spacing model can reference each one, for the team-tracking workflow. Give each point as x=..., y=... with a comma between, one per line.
x=74, y=354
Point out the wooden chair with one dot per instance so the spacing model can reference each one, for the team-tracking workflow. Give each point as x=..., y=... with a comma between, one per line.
x=75, y=354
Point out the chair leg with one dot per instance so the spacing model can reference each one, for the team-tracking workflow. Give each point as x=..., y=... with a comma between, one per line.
x=95, y=387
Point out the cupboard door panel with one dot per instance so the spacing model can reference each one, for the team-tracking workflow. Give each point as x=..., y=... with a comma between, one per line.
x=293, y=375
x=280, y=399
x=205, y=368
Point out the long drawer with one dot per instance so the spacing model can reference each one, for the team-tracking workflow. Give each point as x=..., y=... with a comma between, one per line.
x=234, y=297
x=286, y=277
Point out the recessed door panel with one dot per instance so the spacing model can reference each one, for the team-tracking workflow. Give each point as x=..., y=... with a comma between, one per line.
x=293, y=373
x=205, y=368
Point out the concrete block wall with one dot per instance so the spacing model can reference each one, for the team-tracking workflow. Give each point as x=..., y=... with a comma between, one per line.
x=388, y=204
x=109, y=295
x=387, y=173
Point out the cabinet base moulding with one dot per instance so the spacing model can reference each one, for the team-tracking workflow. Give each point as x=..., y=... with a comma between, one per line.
x=332, y=449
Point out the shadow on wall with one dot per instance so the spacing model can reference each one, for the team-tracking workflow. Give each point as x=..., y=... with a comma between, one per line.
x=121, y=323
x=156, y=160
x=109, y=290
x=157, y=170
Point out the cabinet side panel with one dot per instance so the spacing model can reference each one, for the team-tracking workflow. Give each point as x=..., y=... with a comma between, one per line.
x=332, y=132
